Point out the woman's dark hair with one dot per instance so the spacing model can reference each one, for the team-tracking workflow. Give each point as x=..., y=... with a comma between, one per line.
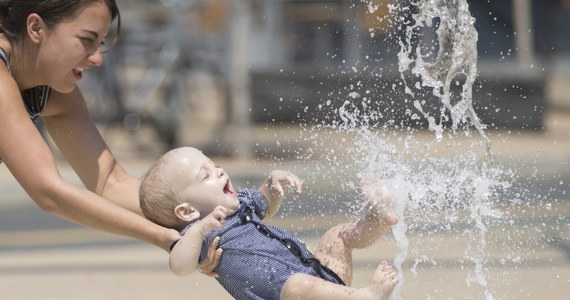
x=14, y=13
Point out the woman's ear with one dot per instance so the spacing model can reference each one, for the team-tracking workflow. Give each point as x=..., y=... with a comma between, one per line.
x=34, y=27
x=186, y=212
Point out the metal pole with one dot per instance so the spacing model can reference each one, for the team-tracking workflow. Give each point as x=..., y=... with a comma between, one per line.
x=523, y=28
x=239, y=79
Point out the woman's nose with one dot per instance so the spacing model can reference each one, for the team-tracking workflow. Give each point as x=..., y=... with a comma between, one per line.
x=96, y=59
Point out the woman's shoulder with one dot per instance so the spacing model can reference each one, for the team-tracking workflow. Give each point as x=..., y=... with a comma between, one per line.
x=8, y=84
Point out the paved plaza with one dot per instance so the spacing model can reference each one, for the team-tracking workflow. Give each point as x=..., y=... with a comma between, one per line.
x=42, y=257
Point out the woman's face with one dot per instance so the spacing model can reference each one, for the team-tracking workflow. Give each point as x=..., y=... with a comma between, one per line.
x=69, y=48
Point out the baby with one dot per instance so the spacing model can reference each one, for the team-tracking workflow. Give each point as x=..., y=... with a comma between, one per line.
x=186, y=191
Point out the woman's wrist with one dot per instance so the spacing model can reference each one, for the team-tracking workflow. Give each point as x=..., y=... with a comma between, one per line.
x=172, y=245
x=172, y=237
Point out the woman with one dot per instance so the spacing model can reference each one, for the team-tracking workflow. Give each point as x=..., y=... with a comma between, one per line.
x=45, y=46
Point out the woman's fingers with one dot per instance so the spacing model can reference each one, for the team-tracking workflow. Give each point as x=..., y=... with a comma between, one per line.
x=212, y=260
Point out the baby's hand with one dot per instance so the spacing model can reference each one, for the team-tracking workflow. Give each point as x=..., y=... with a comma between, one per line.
x=278, y=179
x=213, y=220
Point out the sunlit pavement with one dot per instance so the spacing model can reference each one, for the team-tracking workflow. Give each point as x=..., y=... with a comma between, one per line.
x=77, y=263
x=42, y=257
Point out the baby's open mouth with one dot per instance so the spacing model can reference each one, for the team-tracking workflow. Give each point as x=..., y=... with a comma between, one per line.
x=229, y=189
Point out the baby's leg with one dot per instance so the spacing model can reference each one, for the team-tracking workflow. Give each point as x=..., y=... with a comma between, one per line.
x=333, y=252
x=376, y=222
x=307, y=287
x=335, y=247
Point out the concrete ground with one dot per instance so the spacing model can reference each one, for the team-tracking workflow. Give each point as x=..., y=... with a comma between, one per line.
x=79, y=263
x=42, y=257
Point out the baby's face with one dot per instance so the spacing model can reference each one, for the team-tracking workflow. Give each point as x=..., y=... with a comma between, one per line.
x=203, y=184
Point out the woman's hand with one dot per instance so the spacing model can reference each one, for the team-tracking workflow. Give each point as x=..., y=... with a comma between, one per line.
x=185, y=254
x=212, y=221
x=212, y=259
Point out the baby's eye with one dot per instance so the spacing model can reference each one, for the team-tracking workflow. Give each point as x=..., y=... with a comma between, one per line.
x=206, y=175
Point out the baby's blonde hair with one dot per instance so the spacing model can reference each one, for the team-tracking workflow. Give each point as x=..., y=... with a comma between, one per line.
x=157, y=198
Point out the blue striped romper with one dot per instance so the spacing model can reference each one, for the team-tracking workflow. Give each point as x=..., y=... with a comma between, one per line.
x=259, y=258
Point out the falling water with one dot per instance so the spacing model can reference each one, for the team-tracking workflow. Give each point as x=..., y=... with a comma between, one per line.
x=414, y=126
x=459, y=187
x=457, y=55
x=456, y=187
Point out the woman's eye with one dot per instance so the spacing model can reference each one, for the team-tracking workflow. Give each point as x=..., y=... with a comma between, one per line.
x=87, y=41
x=90, y=43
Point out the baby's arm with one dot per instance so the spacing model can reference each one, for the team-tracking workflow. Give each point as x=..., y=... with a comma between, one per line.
x=185, y=255
x=272, y=188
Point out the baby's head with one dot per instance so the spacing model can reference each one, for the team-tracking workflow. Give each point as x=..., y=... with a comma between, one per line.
x=183, y=186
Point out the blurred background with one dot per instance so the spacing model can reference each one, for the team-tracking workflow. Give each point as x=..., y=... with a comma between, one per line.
x=206, y=72
x=258, y=84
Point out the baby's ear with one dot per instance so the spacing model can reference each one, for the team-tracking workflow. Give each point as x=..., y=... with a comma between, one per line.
x=186, y=212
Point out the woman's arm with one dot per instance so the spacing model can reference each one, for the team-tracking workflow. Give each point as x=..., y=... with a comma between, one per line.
x=88, y=154
x=80, y=142
x=31, y=162
x=272, y=189
x=100, y=173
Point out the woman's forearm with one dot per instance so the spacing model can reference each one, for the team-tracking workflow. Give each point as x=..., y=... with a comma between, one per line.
x=123, y=190
x=83, y=207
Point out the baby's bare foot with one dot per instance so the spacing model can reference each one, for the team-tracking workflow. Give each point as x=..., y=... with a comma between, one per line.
x=381, y=202
x=383, y=282
x=376, y=222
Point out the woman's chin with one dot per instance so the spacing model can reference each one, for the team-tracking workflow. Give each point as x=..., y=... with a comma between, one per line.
x=67, y=89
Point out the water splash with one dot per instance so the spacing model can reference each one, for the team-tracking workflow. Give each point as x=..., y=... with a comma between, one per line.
x=445, y=179
x=456, y=56
x=435, y=190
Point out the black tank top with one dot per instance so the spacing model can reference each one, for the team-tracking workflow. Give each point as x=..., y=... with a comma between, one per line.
x=36, y=98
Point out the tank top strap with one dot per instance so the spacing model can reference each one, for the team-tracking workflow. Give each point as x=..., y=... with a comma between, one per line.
x=36, y=98
x=4, y=58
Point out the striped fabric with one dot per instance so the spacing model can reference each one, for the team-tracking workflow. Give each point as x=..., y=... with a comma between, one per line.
x=259, y=258
x=4, y=57
x=35, y=100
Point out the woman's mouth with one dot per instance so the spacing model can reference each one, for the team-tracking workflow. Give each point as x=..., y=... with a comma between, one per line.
x=78, y=73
